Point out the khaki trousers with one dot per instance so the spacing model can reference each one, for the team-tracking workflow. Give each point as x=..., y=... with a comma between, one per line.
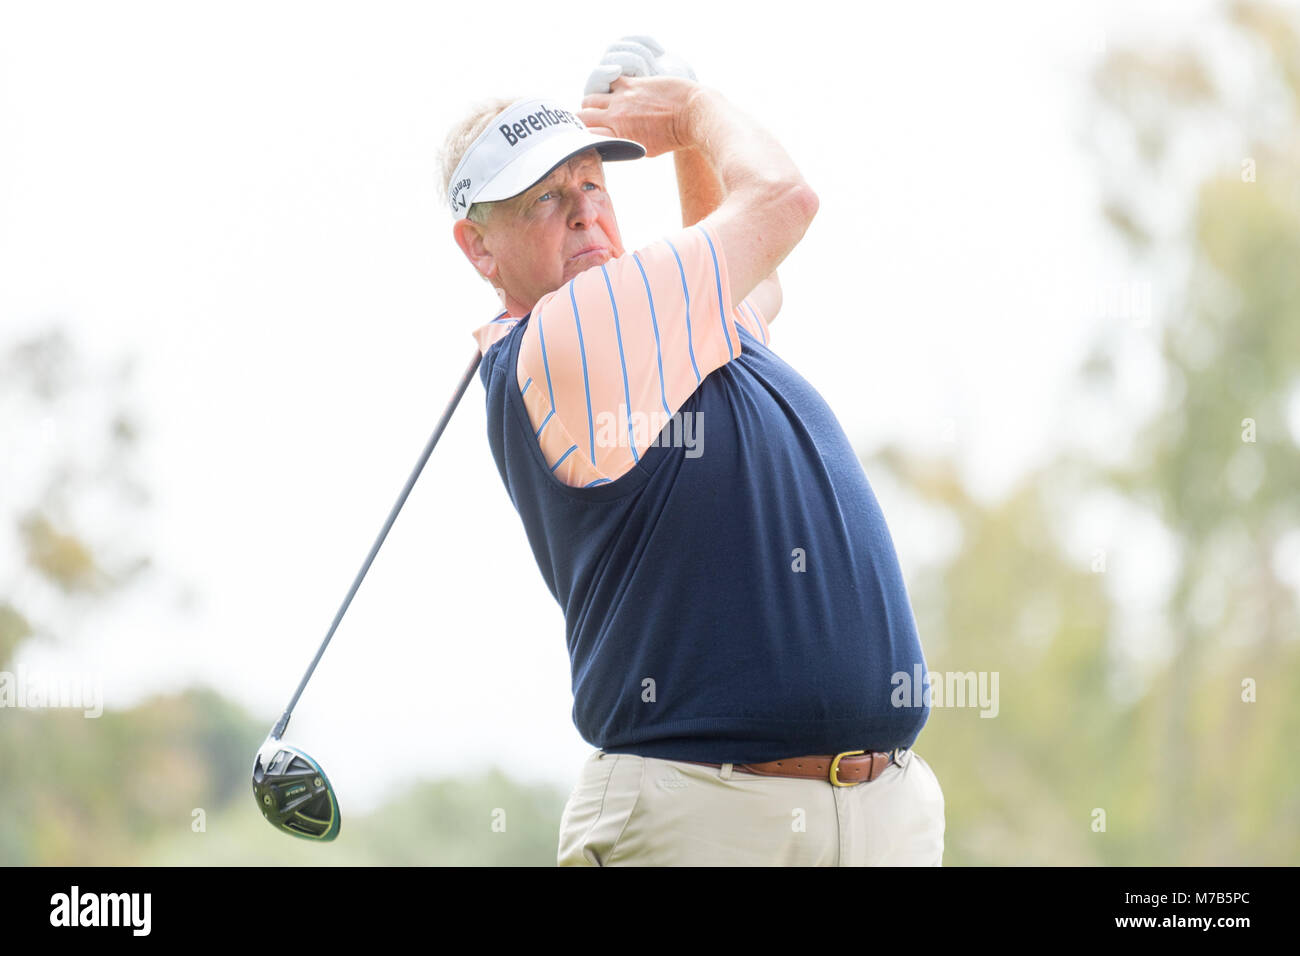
x=642, y=811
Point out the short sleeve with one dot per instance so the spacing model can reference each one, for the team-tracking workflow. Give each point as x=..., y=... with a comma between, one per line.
x=608, y=358
x=752, y=318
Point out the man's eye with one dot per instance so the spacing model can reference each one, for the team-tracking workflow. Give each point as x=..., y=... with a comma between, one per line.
x=544, y=196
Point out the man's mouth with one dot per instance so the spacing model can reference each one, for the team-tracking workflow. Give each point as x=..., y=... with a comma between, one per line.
x=588, y=251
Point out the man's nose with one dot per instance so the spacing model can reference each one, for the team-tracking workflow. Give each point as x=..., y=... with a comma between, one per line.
x=582, y=210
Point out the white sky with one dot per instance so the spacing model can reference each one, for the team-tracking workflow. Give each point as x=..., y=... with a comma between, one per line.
x=243, y=195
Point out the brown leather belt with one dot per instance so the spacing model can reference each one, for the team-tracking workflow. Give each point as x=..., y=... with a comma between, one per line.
x=841, y=770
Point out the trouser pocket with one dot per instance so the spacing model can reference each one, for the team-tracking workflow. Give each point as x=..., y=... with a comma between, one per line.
x=598, y=809
x=931, y=805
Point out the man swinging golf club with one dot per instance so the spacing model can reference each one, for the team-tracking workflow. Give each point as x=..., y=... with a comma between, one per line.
x=734, y=612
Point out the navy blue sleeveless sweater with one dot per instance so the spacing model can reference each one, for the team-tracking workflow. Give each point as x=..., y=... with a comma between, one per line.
x=736, y=602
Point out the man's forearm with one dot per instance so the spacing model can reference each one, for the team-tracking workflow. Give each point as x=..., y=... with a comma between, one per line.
x=763, y=203
x=736, y=151
x=701, y=193
x=697, y=184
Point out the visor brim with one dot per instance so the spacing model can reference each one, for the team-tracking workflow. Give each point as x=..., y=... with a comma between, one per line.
x=535, y=165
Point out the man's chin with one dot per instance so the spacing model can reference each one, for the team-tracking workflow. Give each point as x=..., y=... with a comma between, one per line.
x=588, y=260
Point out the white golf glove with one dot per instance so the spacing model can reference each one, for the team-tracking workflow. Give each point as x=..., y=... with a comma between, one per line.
x=635, y=56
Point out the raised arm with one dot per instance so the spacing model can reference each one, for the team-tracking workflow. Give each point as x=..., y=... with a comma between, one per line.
x=701, y=194
x=766, y=205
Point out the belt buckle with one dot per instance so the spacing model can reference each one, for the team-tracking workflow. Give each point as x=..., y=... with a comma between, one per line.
x=835, y=768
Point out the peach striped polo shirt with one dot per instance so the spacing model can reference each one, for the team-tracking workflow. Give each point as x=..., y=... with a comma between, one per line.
x=610, y=356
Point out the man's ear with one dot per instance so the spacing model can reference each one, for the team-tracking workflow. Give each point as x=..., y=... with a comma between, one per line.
x=469, y=236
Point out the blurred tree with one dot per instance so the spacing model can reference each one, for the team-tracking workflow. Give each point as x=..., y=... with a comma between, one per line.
x=1219, y=468
x=122, y=788
x=69, y=468
x=1202, y=187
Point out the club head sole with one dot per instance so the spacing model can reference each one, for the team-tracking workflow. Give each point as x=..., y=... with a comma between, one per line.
x=293, y=792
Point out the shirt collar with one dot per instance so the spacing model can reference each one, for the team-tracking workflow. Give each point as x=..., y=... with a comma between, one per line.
x=489, y=333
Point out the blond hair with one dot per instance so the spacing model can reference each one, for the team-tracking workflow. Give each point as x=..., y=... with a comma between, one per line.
x=459, y=139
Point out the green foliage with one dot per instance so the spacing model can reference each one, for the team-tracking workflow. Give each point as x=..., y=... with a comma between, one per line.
x=122, y=790
x=63, y=558
x=447, y=822
x=13, y=629
x=1187, y=771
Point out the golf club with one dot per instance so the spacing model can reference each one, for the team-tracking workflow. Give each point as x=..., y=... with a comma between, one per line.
x=291, y=789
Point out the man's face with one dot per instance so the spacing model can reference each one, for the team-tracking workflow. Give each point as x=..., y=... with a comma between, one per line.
x=535, y=242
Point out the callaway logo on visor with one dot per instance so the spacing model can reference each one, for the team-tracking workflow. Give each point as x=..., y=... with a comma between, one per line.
x=523, y=143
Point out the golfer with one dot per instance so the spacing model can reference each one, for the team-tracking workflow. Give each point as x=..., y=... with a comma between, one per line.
x=735, y=613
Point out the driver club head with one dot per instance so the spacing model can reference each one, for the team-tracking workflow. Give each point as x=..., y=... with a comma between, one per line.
x=293, y=792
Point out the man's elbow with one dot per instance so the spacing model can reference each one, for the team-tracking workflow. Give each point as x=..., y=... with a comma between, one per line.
x=799, y=204
x=793, y=198
x=806, y=202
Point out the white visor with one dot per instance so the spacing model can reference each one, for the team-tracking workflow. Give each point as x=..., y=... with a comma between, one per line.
x=520, y=147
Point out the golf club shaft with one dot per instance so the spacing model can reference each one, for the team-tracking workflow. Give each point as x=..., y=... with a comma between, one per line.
x=392, y=516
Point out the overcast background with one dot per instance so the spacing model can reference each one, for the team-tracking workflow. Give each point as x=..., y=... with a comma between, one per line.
x=243, y=197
